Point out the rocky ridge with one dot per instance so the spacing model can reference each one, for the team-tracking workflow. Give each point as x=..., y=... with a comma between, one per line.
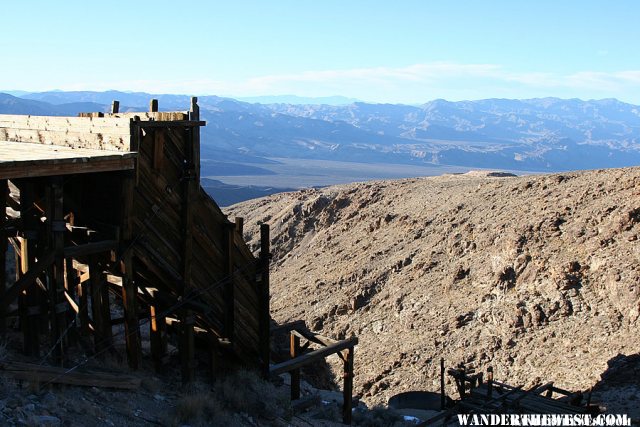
x=537, y=276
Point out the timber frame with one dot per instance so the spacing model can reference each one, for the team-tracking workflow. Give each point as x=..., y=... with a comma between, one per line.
x=106, y=210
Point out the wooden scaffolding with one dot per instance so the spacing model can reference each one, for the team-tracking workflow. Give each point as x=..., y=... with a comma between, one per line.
x=109, y=207
x=111, y=204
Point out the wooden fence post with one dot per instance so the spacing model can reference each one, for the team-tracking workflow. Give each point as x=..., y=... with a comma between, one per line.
x=153, y=106
x=294, y=351
x=348, y=385
x=115, y=107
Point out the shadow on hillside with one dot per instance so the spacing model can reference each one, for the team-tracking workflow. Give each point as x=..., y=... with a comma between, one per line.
x=619, y=387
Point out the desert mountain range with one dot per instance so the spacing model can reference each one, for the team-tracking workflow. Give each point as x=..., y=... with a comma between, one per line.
x=547, y=134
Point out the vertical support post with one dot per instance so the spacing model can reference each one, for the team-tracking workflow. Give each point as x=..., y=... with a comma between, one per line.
x=190, y=189
x=239, y=225
x=158, y=149
x=294, y=351
x=83, y=306
x=489, y=381
x=263, y=293
x=157, y=334
x=194, y=115
x=115, y=107
x=443, y=395
x=58, y=303
x=463, y=383
x=4, y=193
x=71, y=286
x=32, y=307
x=129, y=288
x=348, y=386
x=100, y=305
x=153, y=106
x=187, y=347
x=229, y=295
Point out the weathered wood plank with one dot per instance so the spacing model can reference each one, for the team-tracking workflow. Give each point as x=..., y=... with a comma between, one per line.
x=68, y=139
x=145, y=116
x=129, y=297
x=4, y=195
x=264, y=314
x=90, y=248
x=347, y=388
x=311, y=357
x=27, y=279
x=22, y=160
x=57, y=301
x=95, y=125
x=48, y=374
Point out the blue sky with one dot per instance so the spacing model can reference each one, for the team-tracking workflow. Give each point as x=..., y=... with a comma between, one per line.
x=378, y=51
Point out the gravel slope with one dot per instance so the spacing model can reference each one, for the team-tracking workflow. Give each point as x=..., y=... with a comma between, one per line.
x=537, y=276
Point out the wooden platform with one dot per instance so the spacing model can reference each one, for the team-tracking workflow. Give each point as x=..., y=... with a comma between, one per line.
x=21, y=160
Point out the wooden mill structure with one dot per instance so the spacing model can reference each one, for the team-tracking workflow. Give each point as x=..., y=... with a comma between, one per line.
x=108, y=208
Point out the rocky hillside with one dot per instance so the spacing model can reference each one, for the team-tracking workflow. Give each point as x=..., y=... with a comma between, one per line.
x=538, y=276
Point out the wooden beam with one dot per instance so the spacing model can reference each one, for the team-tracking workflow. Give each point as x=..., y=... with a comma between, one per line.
x=73, y=139
x=294, y=351
x=30, y=269
x=49, y=374
x=187, y=346
x=4, y=195
x=57, y=301
x=153, y=106
x=158, y=149
x=115, y=107
x=129, y=288
x=89, y=125
x=194, y=115
x=347, y=388
x=157, y=333
x=90, y=248
x=169, y=123
x=83, y=298
x=229, y=271
x=28, y=279
x=239, y=221
x=30, y=164
x=311, y=357
x=286, y=328
x=264, y=315
x=101, y=314
x=71, y=292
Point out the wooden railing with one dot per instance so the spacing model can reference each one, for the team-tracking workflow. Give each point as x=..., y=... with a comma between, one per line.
x=302, y=355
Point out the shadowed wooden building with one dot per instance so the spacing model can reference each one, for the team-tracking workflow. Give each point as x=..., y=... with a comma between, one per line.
x=108, y=207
